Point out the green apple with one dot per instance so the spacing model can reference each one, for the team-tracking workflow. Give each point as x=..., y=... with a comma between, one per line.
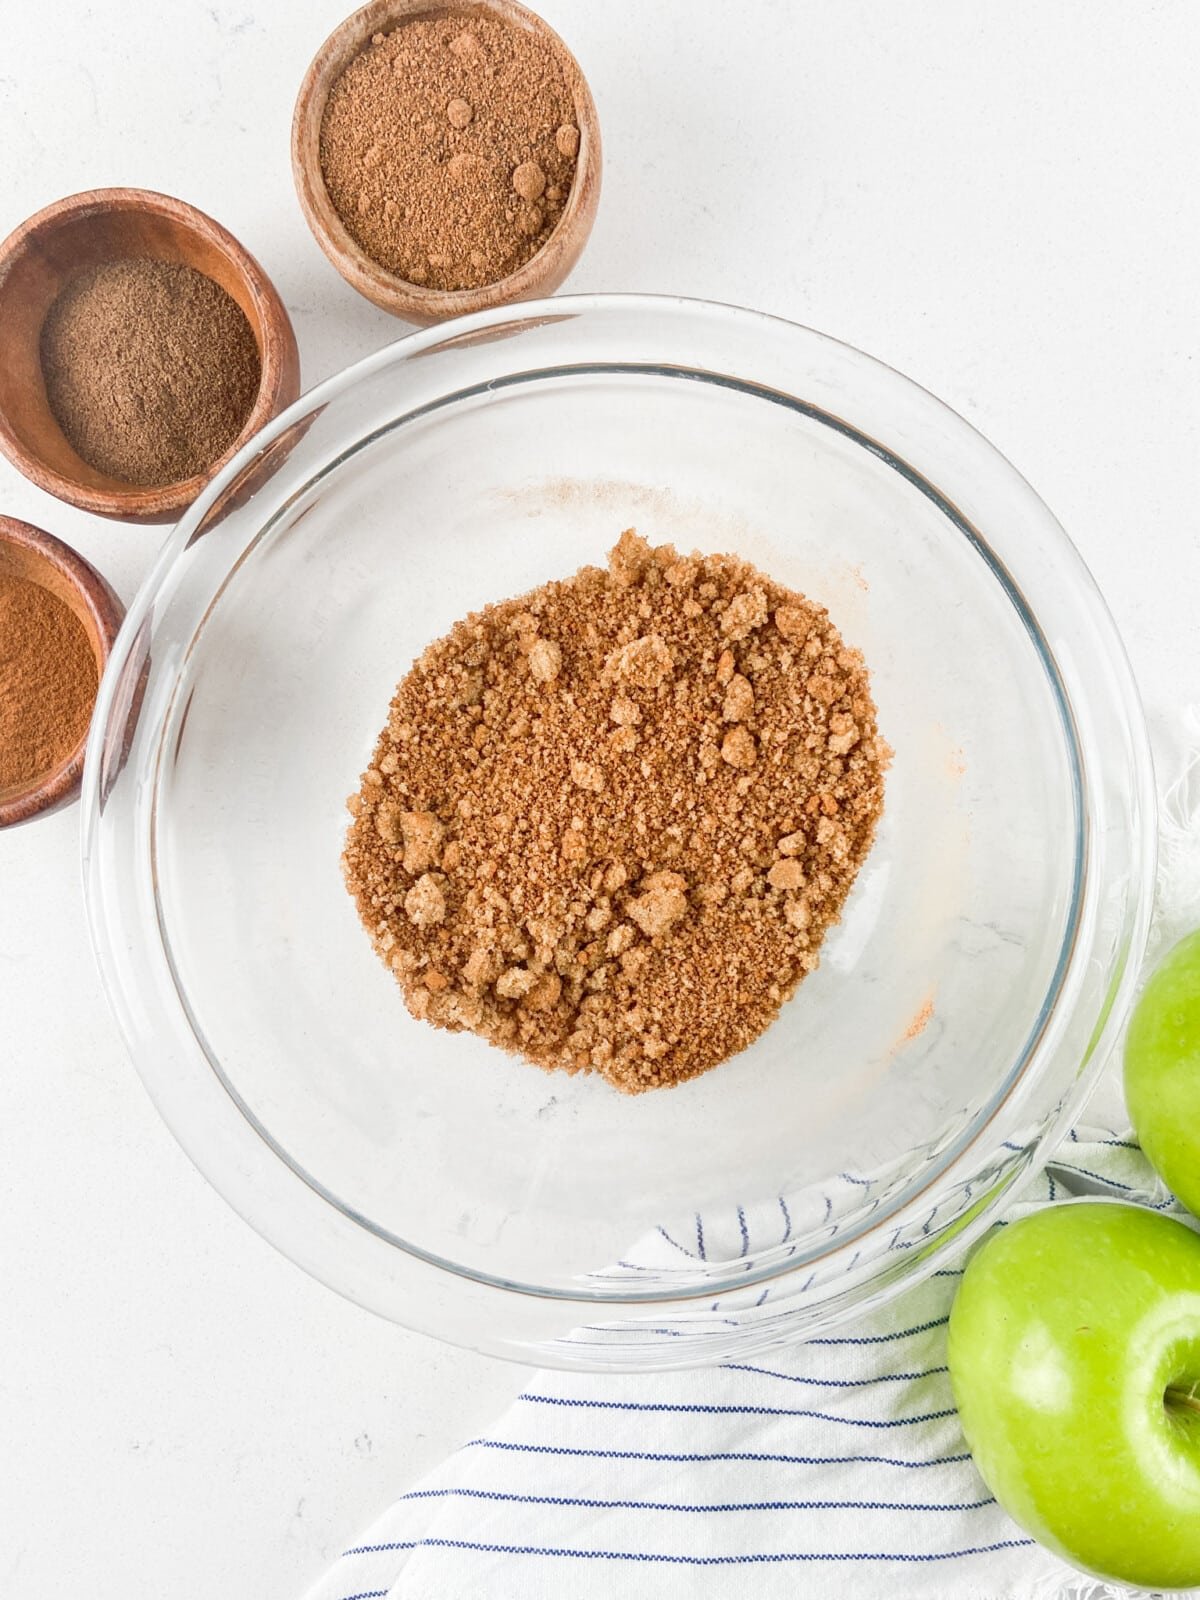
x=1162, y=1071
x=1075, y=1361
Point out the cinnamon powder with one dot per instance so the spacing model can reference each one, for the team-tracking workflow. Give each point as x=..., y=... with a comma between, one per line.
x=448, y=148
x=48, y=682
x=608, y=824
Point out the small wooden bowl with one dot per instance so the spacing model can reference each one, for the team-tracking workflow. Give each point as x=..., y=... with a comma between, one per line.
x=27, y=552
x=540, y=275
x=81, y=231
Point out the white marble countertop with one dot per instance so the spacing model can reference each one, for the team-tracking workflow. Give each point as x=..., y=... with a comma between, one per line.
x=999, y=200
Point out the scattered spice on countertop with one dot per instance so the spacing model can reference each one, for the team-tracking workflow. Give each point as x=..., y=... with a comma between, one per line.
x=48, y=682
x=448, y=148
x=608, y=824
x=151, y=369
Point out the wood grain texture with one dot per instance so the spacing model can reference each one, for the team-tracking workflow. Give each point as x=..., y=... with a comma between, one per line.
x=27, y=552
x=541, y=274
x=38, y=259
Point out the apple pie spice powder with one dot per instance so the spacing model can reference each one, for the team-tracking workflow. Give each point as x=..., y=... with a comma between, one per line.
x=608, y=823
x=448, y=148
x=151, y=369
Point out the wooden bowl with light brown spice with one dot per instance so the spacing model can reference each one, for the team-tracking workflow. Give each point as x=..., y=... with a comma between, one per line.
x=542, y=273
x=43, y=255
x=29, y=554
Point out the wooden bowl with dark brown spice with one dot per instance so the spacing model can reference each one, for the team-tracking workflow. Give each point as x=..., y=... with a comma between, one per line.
x=383, y=283
x=39, y=561
x=50, y=251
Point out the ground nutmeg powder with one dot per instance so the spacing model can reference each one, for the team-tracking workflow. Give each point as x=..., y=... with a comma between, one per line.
x=608, y=824
x=48, y=682
x=448, y=148
x=151, y=369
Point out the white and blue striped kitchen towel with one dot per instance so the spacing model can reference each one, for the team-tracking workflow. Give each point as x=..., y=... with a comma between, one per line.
x=834, y=1469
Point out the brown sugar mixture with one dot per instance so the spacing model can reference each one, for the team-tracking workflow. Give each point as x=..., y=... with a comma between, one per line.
x=448, y=148
x=608, y=823
x=48, y=682
x=151, y=369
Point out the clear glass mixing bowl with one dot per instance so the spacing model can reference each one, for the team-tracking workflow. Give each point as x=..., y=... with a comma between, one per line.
x=960, y=1011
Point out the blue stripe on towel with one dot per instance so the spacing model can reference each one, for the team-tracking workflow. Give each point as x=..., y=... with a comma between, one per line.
x=835, y=1383
x=683, y=1250
x=711, y=1455
x=749, y=1559
x=1109, y=1183
x=723, y=1411
x=590, y=1504
x=885, y=1338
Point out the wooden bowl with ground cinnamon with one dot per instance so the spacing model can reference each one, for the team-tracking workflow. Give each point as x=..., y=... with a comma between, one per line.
x=58, y=620
x=447, y=155
x=140, y=346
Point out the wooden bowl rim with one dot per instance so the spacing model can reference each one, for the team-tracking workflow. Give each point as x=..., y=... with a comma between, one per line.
x=278, y=384
x=386, y=289
x=106, y=612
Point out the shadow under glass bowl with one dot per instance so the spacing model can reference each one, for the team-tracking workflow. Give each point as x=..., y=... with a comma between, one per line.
x=962, y=1008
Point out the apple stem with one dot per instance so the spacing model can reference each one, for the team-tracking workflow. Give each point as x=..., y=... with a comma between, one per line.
x=1183, y=1399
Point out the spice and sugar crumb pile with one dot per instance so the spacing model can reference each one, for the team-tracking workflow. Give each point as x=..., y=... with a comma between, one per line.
x=608, y=823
